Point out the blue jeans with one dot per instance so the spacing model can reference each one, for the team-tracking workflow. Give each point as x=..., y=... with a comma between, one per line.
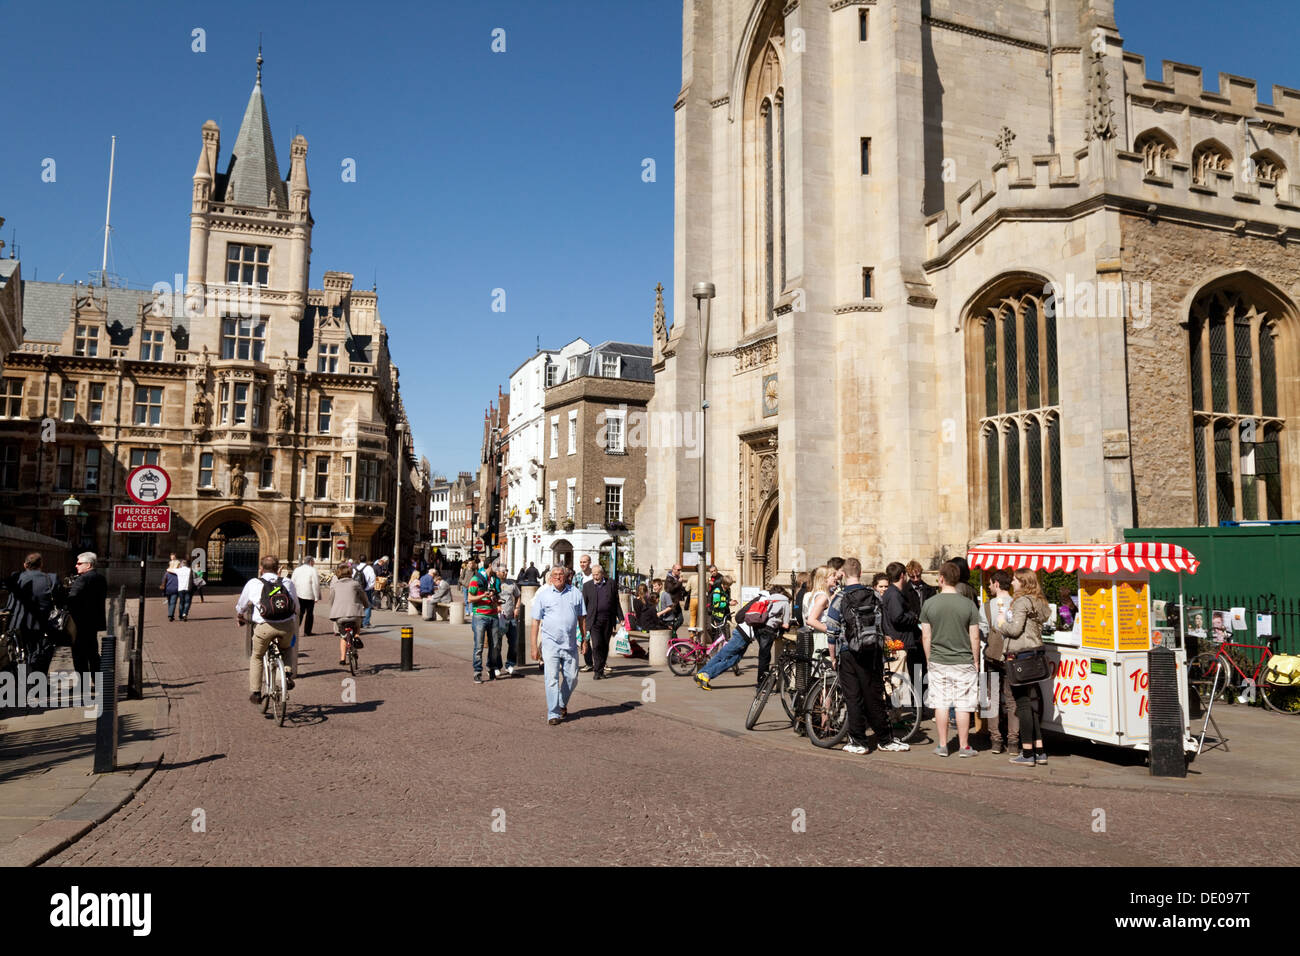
x=370, y=601
x=509, y=632
x=485, y=632
x=186, y=597
x=561, y=665
x=730, y=653
x=171, y=604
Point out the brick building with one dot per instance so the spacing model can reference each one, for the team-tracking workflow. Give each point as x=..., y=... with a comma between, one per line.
x=273, y=407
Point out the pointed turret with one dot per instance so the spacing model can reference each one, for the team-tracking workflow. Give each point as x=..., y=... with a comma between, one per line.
x=253, y=177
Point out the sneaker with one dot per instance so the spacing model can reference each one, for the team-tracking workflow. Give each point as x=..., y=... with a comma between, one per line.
x=497, y=673
x=1040, y=758
x=288, y=683
x=852, y=748
x=478, y=678
x=1024, y=760
x=894, y=747
x=998, y=748
x=967, y=751
x=702, y=680
x=511, y=670
x=941, y=751
x=584, y=668
x=255, y=697
x=554, y=721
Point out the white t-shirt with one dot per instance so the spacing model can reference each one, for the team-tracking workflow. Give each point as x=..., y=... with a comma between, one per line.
x=368, y=574
x=182, y=578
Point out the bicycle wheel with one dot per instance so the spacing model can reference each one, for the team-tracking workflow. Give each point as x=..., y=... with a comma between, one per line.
x=1279, y=698
x=826, y=715
x=902, y=708
x=352, y=659
x=683, y=660
x=760, y=699
x=786, y=685
x=1202, y=673
x=280, y=693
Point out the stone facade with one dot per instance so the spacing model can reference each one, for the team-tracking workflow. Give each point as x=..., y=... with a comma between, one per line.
x=917, y=218
x=273, y=407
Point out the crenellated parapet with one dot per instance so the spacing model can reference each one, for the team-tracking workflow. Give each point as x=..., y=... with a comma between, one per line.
x=1236, y=96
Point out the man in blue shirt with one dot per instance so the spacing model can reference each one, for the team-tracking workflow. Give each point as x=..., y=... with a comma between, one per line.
x=558, y=614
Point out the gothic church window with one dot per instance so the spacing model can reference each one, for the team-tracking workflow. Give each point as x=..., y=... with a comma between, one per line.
x=1156, y=149
x=1208, y=158
x=1236, y=425
x=1015, y=398
x=764, y=174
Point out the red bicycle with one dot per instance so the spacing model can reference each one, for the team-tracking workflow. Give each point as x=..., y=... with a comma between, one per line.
x=687, y=655
x=1227, y=672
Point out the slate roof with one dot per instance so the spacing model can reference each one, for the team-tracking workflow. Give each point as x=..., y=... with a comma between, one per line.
x=636, y=365
x=253, y=174
x=47, y=310
x=7, y=267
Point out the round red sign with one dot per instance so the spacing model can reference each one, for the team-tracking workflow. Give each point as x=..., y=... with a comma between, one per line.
x=342, y=545
x=148, y=484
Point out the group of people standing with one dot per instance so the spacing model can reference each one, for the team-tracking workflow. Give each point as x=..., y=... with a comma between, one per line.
x=36, y=598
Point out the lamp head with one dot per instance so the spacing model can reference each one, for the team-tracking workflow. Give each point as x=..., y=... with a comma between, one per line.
x=704, y=290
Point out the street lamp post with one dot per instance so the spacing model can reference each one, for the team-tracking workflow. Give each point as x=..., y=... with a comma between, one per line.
x=397, y=518
x=703, y=293
x=71, y=507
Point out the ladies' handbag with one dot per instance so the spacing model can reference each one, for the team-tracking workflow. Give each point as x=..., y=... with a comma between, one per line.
x=1027, y=667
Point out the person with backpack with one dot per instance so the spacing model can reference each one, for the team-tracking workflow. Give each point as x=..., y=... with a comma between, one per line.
x=860, y=660
x=275, y=618
x=365, y=574
x=763, y=618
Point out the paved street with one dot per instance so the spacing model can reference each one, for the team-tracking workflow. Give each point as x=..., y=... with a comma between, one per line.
x=428, y=768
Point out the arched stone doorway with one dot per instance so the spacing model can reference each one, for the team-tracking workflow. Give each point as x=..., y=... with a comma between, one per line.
x=234, y=539
x=562, y=553
x=768, y=550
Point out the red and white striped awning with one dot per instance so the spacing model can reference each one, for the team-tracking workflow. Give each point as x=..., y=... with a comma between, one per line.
x=1132, y=556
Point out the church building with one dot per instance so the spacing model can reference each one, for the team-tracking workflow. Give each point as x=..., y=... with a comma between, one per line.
x=979, y=277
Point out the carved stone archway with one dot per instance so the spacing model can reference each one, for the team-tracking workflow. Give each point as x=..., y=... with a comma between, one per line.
x=757, y=513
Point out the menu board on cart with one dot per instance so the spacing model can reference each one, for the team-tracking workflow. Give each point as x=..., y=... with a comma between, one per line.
x=1133, y=628
x=1095, y=609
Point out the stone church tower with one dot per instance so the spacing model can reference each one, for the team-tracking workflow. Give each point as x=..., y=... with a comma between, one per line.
x=978, y=278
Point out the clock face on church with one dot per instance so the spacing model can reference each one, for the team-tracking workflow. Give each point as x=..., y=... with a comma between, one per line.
x=769, y=396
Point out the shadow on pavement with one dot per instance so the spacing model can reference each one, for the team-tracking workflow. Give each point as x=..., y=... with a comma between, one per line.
x=168, y=765
x=602, y=711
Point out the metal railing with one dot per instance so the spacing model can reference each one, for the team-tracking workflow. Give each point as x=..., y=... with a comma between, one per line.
x=1284, y=613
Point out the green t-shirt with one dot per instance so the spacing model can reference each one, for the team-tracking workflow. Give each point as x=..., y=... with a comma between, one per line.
x=950, y=617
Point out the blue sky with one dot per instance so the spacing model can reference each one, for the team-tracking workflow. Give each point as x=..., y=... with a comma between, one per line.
x=475, y=170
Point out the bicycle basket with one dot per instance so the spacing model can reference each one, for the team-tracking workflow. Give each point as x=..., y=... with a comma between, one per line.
x=1283, y=670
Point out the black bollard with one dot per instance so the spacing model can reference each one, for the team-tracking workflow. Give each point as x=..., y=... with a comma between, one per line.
x=408, y=648
x=106, y=722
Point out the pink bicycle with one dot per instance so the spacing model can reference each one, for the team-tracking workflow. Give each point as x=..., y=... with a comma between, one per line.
x=687, y=655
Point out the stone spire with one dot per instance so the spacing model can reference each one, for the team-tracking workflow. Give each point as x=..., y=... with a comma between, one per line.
x=1101, y=117
x=660, y=324
x=253, y=176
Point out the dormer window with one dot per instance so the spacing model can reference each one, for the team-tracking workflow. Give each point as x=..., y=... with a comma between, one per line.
x=327, y=359
x=573, y=367
x=247, y=265
x=87, y=340
x=552, y=373
x=609, y=366
x=151, y=345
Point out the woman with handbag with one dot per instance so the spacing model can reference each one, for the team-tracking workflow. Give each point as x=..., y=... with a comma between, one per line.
x=1022, y=632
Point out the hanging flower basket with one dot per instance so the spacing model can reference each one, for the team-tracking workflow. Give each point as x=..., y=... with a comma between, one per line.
x=549, y=525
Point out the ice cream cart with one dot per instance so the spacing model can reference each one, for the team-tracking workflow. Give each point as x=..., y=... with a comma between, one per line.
x=1097, y=682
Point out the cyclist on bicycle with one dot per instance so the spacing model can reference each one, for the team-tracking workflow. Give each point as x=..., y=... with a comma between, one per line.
x=775, y=619
x=348, y=603
x=274, y=620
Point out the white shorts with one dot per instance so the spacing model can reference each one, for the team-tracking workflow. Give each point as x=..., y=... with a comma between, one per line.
x=954, y=685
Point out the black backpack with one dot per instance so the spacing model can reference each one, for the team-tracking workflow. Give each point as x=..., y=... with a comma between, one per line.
x=275, y=603
x=860, y=613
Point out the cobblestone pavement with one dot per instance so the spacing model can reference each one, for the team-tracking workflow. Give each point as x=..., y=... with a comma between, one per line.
x=428, y=768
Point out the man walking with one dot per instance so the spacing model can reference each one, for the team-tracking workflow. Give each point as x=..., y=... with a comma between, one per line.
x=306, y=584
x=581, y=576
x=510, y=623
x=86, y=596
x=366, y=575
x=482, y=600
x=950, y=632
x=601, y=599
x=260, y=593
x=859, y=656
x=558, y=613
x=1004, y=725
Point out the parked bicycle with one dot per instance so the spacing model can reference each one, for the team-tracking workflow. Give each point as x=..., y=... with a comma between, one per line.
x=686, y=655
x=1240, y=672
x=275, y=683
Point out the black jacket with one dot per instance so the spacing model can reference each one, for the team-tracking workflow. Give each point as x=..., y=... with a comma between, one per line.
x=31, y=598
x=86, y=596
x=601, y=600
x=917, y=594
x=898, y=620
